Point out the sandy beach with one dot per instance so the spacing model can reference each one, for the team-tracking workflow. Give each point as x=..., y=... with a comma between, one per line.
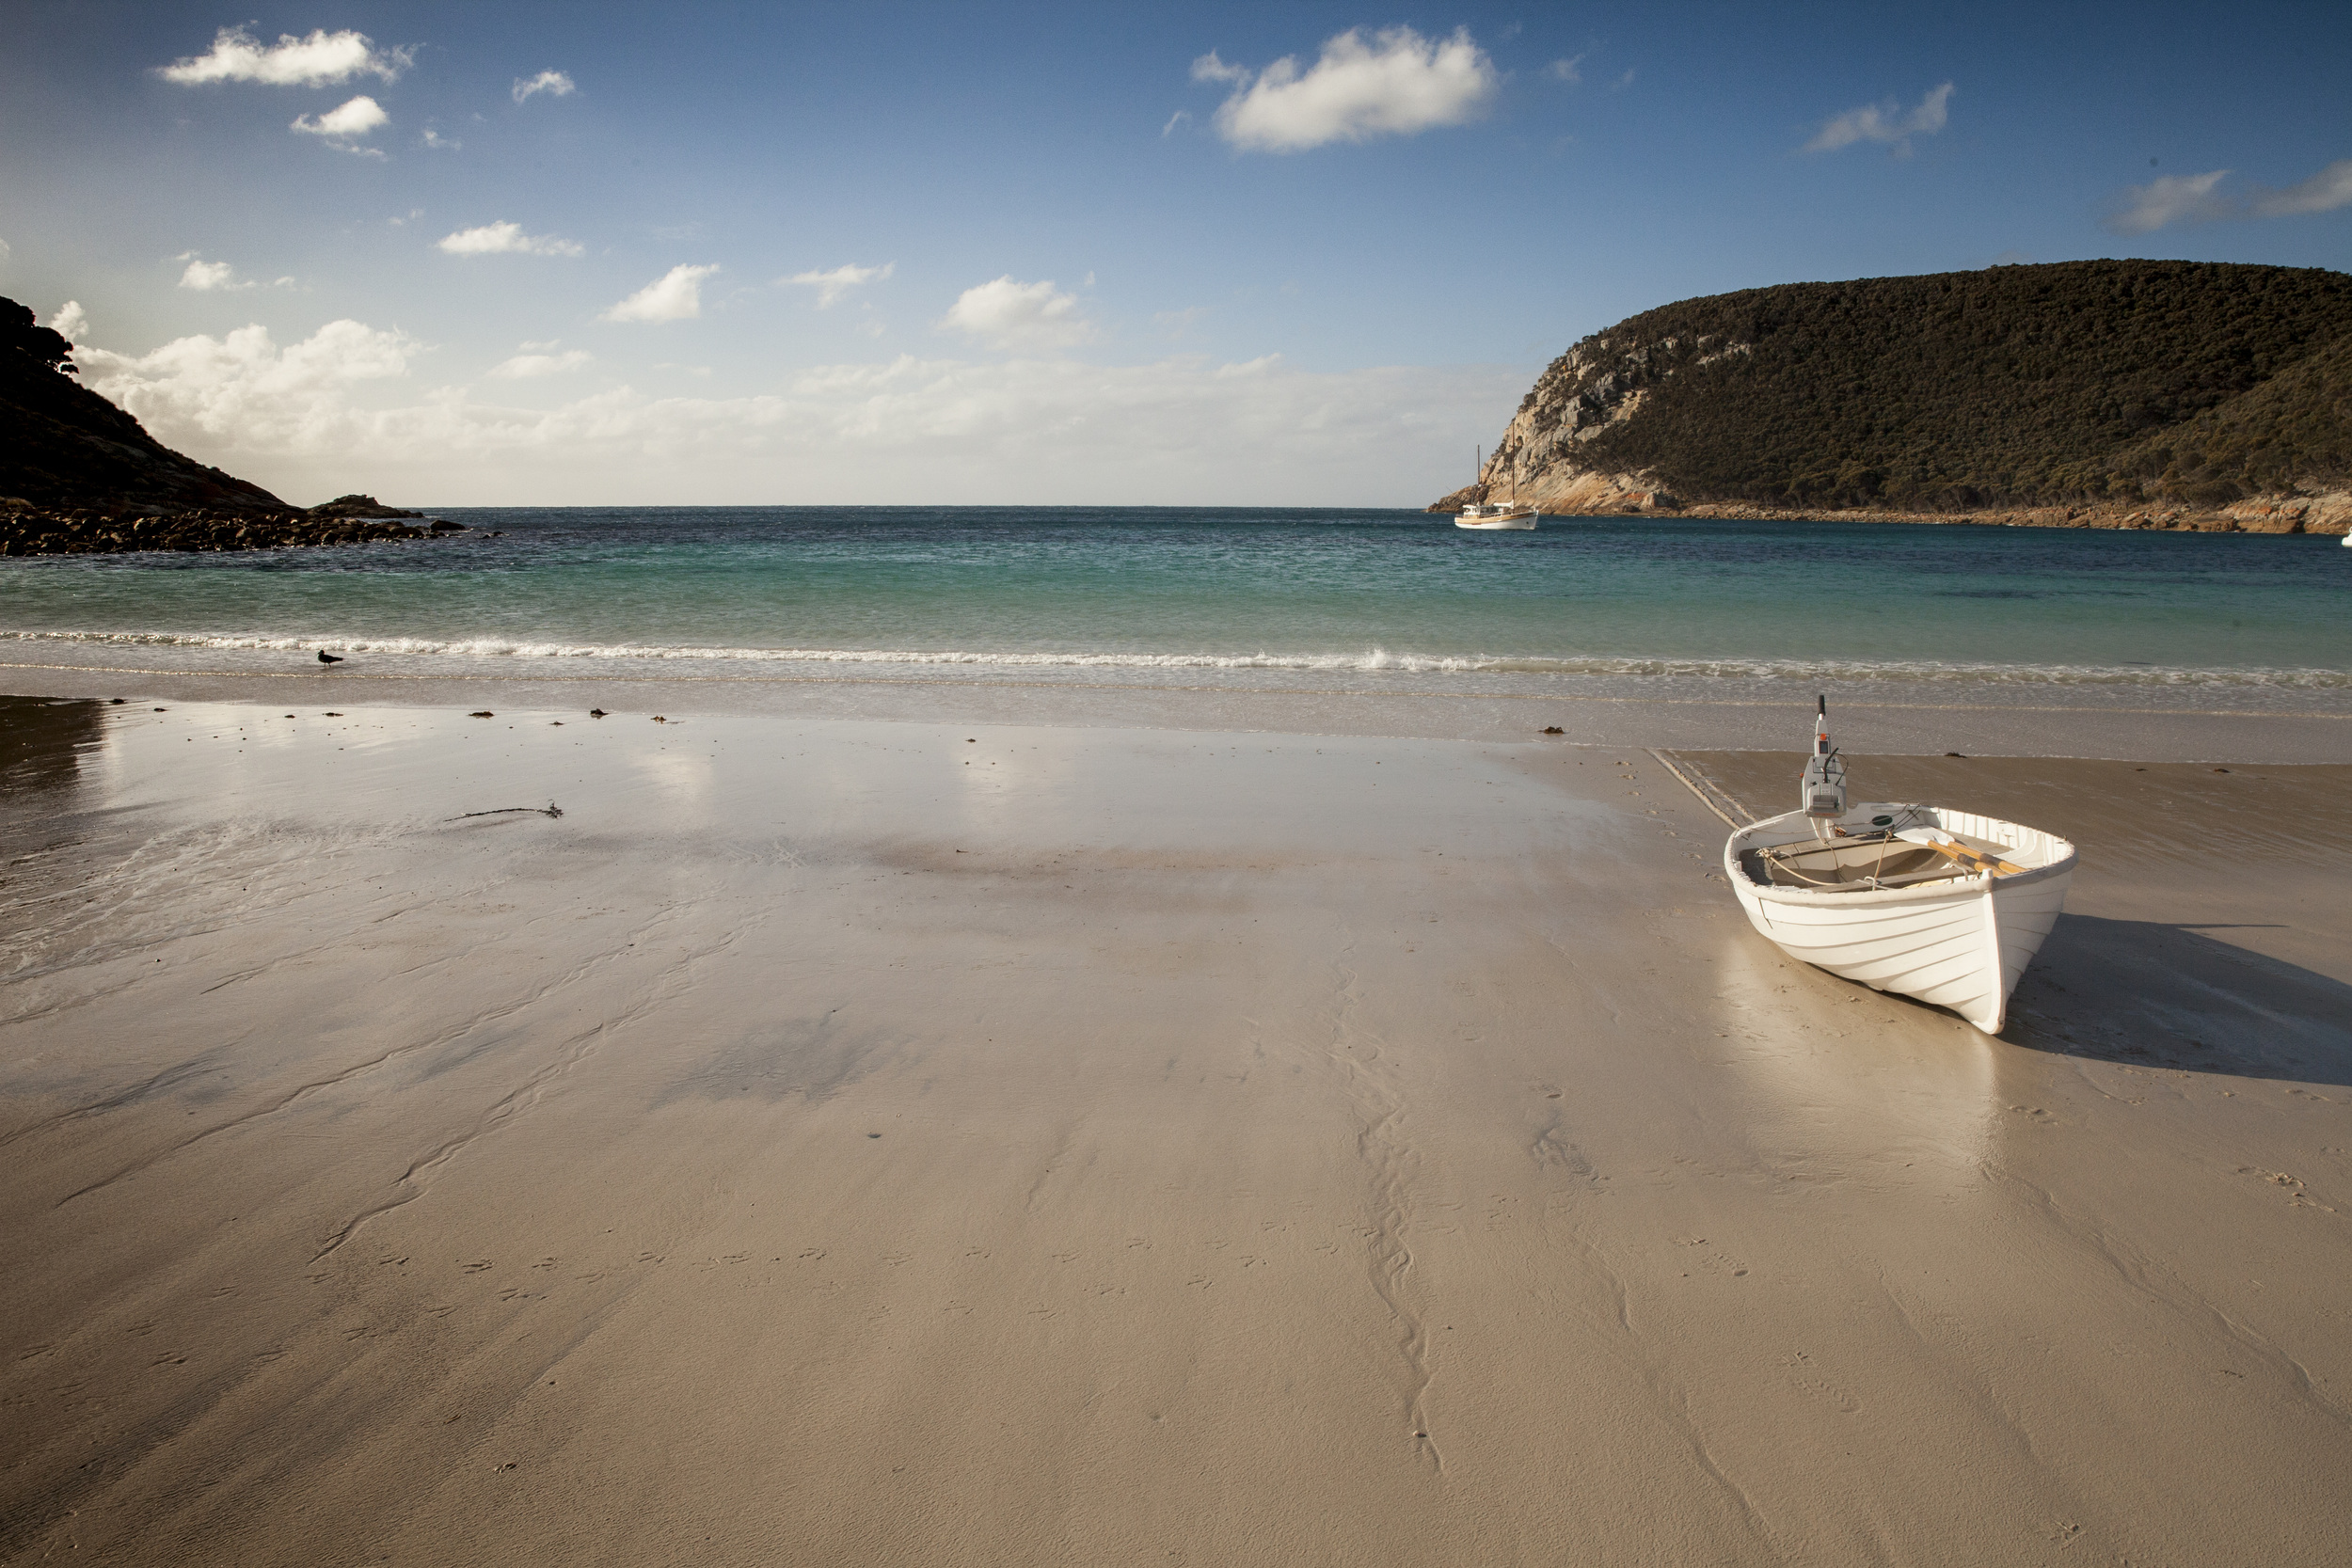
x=909, y=1139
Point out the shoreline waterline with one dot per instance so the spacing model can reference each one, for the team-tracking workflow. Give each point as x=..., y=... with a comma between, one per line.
x=1868, y=723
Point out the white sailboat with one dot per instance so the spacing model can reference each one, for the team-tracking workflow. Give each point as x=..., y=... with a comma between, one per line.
x=1947, y=906
x=1513, y=514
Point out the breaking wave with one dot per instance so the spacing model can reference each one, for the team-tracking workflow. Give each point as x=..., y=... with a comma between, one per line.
x=1372, y=661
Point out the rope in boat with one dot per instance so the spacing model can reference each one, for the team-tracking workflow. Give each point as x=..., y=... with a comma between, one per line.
x=1781, y=857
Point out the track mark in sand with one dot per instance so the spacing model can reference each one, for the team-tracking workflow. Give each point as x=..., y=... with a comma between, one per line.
x=534, y=1087
x=1063, y=1141
x=2149, y=1277
x=170, y=1078
x=358, y=1069
x=1390, y=1162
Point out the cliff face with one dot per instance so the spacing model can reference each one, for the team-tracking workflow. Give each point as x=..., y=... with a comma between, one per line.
x=62, y=445
x=2105, y=392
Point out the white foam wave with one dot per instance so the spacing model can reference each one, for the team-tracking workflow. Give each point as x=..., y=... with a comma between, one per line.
x=1369, y=661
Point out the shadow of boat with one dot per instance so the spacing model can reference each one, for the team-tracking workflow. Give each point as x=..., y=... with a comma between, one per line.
x=2145, y=994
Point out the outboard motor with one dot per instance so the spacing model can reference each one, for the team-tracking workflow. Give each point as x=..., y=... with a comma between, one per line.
x=1824, y=780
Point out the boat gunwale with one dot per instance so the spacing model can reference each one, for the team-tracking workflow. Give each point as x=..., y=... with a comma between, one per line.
x=1851, y=898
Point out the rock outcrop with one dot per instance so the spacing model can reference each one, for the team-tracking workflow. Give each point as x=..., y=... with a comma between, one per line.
x=2107, y=395
x=78, y=531
x=79, y=476
x=62, y=445
x=360, y=506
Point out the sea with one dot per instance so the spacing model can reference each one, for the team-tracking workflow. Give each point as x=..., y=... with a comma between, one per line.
x=1248, y=598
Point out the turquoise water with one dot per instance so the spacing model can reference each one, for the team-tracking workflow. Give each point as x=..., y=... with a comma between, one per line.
x=1238, y=593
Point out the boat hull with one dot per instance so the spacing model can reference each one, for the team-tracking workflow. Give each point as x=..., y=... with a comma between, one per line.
x=1519, y=520
x=1959, y=944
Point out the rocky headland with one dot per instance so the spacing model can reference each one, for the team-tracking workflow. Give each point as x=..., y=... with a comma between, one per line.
x=79, y=476
x=2161, y=395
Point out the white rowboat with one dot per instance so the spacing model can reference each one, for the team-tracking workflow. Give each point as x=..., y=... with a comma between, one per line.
x=1903, y=916
x=1947, y=905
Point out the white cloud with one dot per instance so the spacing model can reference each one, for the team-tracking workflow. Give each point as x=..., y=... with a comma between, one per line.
x=209, y=277
x=1882, y=123
x=315, y=61
x=1398, y=84
x=2173, y=198
x=4, y=250
x=526, y=365
x=1020, y=316
x=831, y=286
x=675, y=295
x=2195, y=199
x=553, y=82
x=243, y=390
x=1565, y=70
x=340, y=126
x=505, y=239
x=2324, y=192
x=1184, y=430
x=1179, y=118
x=440, y=143
x=69, y=322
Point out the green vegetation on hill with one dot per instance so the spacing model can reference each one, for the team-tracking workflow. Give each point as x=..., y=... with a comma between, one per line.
x=2083, y=380
x=2296, y=426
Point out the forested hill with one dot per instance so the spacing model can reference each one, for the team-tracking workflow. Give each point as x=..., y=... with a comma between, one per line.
x=63, y=445
x=2083, y=384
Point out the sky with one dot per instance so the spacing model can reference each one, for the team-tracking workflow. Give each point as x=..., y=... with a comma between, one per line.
x=1039, y=254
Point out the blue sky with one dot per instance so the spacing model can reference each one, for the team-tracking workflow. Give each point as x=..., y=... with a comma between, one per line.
x=1054, y=254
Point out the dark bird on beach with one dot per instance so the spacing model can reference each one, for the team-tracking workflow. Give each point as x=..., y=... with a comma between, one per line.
x=325, y=658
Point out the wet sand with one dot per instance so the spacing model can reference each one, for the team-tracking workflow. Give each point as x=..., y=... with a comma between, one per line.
x=837, y=1140
x=1892, y=717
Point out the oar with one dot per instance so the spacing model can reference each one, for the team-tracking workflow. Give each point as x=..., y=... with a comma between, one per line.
x=1959, y=851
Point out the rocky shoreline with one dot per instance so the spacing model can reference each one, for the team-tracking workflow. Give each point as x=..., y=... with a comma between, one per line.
x=27, y=529
x=2325, y=513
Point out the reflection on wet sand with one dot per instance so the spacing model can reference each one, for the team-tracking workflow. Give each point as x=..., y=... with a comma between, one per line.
x=42, y=743
x=1846, y=1080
